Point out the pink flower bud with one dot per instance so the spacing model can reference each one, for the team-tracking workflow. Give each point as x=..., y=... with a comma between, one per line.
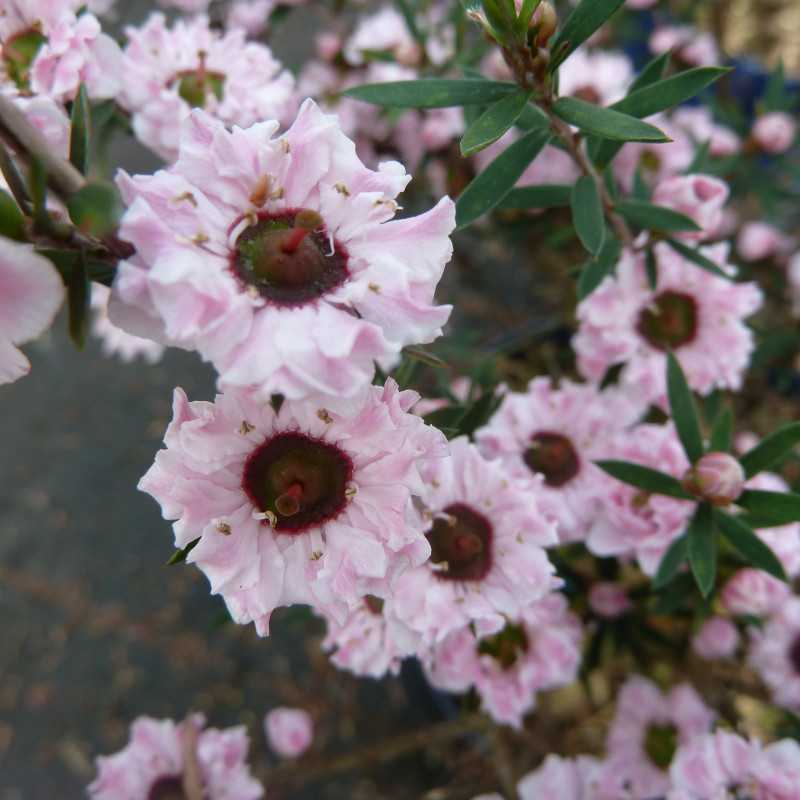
x=716, y=477
x=754, y=592
x=774, y=132
x=609, y=600
x=700, y=197
x=717, y=638
x=759, y=240
x=289, y=731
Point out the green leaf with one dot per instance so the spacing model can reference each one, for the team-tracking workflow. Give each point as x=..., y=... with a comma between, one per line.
x=431, y=93
x=584, y=20
x=12, y=223
x=80, y=132
x=655, y=218
x=525, y=17
x=672, y=561
x=79, y=292
x=700, y=160
x=703, y=549
x=652, y=71
x=683, y=409
x=696, y=257
x=533, y=117
x=771, y=449
x=750, y=546
x=493, y=123
x=410, y=20
x=95, y=209
x=543, y=196
x=778, y=508
x=426, y=357
x=179, y=556
x=650, y=480
x=478, y=413
x=722, y=431
x=497, y=180
x=606, y=122
x=651, y=268
x=587, y=214
x=596, y=270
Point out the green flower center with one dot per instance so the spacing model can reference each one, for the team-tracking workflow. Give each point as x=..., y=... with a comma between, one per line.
x=670, y=321
x=461, y=544
x=553, y=456
x=196, y=85
x=505, y=647
x=301, y=481
x=169, y=788
x=660, y=744
x=19, y=53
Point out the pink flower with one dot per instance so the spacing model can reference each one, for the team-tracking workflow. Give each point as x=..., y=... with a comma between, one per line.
x=647, y=730
x=31, y=292
x=632, y=522
x=169, y=71
x=278, y=260
x=640, y=4
x=250, y=15
x=384, y=31
x=487, y=536
x=699, y=197
x=698, y=122
x=289, y=731
x=717, y=638
x=716, y=477
x=540, y=652
x=691, y=311
x=752, y=592
x=562, y=778
x=556, y=434
x=774, y=132
x=776, y=770
x=775, y=654
x=760, y=240
x=154, y=762
x=46, y=115
x=596, y=76
x=690, y=46
x=306, y=505
x=115, y=340
x=609, y=600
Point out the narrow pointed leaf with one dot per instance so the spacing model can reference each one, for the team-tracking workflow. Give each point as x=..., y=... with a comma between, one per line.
x=651, y=268
x=650, y=480
x=542, y=196
x=605, y=122
x=493, y=123
x=432, y=93
x=179, y=556
x=80, y=132
x=683, y=409
x=651, y=72
x=584, y=20
x=12, y=223
x=779, y=508
x=771, y=450
x=587, y=214
x=696, y=257
x=596, y=270
x=478, y=413
x=722, y=431
x=753, y=549
x=703, y=549
x=525, y=16
x=498, y=179
x=655, y=218
x=671, y=561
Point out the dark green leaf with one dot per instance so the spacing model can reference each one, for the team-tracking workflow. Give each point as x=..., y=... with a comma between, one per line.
x=700, y=160
x=653, y=71
x=655, y=218
x=478, y=413
x=496, y=181
x=431, y=93
x=542, y=196
x=533, y=117
x=722, y=431
x=12, y=223
x=640, y=191
x=776, y=97
x=410, y=20
x=587, y=214
x=80, y=132
x=605, y=122
x=493, y=123
x=79, y=292
x=584, y=20
x=703, y=549
x=672, y=561
x=683, y=409
x=524, y=18
x=596, y=270
x=448, y=417
x=771, y=449
x=14, y=180
x=651, y=268
x=779, y=508
x=179, y=556
x=650, y=480
x=696, y=257
x=754, y=551
x=95, y=209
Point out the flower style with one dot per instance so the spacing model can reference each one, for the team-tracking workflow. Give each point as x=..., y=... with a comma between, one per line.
x=700, y=197
x=31, y=292
x=278, y=259
x=539, y=652
x=169, y=71
x=647, y=730
x=303, y=505
x=692, y=312
x=555, y=434
x=289, y=731
x=487, y=560
x=632, y=522
x=156, y=762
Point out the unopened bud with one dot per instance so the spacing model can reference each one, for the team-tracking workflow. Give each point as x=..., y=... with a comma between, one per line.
x=717, y=478
x=545, y=21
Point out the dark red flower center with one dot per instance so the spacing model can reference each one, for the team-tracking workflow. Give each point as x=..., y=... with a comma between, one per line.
x=660, y=744
x=289, y=258
x=461, y=544
x=194, y=86
x=553, y=456
x=505, y=647
x=670, y=321
x=300, y=480
x=19, y=53
x=794, y=654
x=588, y=94
x=374, y=604
x=168, y=788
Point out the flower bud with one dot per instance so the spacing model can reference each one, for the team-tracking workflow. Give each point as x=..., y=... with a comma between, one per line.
x=717, y=638
x=289, y=731
x=545, y=20
x=774, y=132
x=716, y=477
x=609, y=600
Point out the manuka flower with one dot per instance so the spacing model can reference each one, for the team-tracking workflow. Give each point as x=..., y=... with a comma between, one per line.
x=302, y=505
x=278, y=259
